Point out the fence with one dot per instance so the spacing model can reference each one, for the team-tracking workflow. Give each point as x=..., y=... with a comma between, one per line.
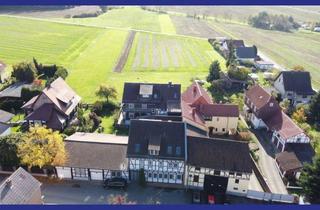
x=258, y=195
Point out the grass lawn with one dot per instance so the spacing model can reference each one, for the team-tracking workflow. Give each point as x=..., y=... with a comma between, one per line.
x=127, y=17
x=166, y=24
x=287, y=49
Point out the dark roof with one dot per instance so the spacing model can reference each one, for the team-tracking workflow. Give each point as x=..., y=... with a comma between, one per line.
x=297, y=81
x=18, y=188
x=14, y=91
x=169, y=133
x=219, y=154
x=49, y=113
x=5, y=116
x=246, y=52
x=3, y=127
x=163, y=117
x=304, y=152
x=235, y=43
x=96, y=155
x=163, y=96
x=221, y=110
x=288, y=161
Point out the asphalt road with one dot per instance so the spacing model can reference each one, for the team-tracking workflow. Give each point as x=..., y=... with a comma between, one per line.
x=268, y=166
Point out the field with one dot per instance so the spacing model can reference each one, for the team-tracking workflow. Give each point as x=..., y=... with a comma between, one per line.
x=287, y=49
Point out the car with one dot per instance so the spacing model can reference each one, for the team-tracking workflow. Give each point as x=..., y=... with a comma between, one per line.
x=211, y=199
x=116, y=182
x=196, y=197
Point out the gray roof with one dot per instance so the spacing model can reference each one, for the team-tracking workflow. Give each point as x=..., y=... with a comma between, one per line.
x=167, y=134
x=3, y=127
x=96, y=155
x=246, y=52
x=297, y=81
x=14, y=91
x=220, y=154
x=18, y=188
x=5, y=116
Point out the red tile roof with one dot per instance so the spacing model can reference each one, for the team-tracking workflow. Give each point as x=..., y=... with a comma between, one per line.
x=194, y=93
x=223, y=110
x=192, y=114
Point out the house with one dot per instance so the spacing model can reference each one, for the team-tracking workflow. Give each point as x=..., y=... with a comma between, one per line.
x=218, y=166
x=316, y=29
x=230, y=44
x=94, y=156
x=13, y=91
x=157, y=147
x=263, y=65
x=144, y=99
x=294, y=86
x=290, y=161
x=20, y=188
x=54, y=107
x=246, y=54
x=263, y=111
x=5, y=117
x=199, y=112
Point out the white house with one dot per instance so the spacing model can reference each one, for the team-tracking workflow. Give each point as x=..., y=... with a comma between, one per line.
x=218, y=166
x=157, y=147
x=295, y=86
x=93, y=156
x=263, y=65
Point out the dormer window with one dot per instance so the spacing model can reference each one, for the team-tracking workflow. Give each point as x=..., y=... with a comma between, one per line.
x=178, y=150
x=271, y=104
x=169, y=150
x=154, y=146
x=144, y=106
x=131, y=106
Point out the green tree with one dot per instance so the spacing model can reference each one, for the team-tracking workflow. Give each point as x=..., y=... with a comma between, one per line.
x=314, y=108
x=8, y=150
x=238, y=73
x=24, y=72
x=299, y=116
x=61, y=72
x=107, y=92
x=214, y=71
x=42, y=147
x=310, y=180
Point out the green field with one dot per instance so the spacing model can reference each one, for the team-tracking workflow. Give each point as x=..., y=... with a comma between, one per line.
x=287, y=49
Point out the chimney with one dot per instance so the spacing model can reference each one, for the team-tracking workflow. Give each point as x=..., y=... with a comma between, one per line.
x=194, y=90
x=170, y=84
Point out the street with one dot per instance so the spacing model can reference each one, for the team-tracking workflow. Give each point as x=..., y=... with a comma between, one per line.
x=267, y=164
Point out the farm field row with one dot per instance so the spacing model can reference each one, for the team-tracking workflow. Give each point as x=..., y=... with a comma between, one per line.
x=171, y=54
x=287, y=49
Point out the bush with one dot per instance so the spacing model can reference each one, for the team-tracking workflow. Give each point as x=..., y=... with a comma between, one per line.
x=24, y=72
x=27, y=94
x=61, y=72
x=238, y=73
x=70, y=130
x=11, y=105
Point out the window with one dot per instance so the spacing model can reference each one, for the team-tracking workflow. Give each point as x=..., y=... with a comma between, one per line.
x=165, y=176
x=170, y=176
x=175, y=95
x=178, y=150
x=80, y=172
x=169, y=150
x=131, y=115
x=231, y=173
x=179, y=177
x=223, y=129
x=197, y=168
x=304, y=96
x=235, y=188
x=175, y=165
x=195, y=178
x=113, y=173
x=160, y=176
x=144, y=106
x=155, y=95
x=239, y=174
x=155, y=175
x=131, y=106
x=149, y=175
x=137, y=148
x=217, y=173
x=237, y=181
x=118, y=174
x=217, y=118
x=271, y=104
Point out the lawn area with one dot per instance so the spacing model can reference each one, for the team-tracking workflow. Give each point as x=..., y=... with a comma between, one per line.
x=22, y=39
x=151, y=52
x=166, y=24
x=127, y=17
x=287, y=49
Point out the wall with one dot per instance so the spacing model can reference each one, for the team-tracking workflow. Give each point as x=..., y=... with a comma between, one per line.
x=278, y=84
x=220, y=123
x=41, y=100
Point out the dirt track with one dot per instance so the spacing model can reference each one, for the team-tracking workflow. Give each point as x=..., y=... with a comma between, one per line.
x=125, y=52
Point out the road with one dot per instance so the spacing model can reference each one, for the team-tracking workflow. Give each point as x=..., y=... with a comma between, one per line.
x=268, y=166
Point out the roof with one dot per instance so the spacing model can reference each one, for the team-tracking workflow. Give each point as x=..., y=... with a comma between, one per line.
x=220, y=110
x=3, y=128
x=194, y=92
x=98, y=138
x=14, y=91
x=96, y=155
x=304, y=152
x=288, y=161
x=219, y=154
x=163, y=96
x=235, y=43
x=192, y=114
x=5, y=116
x=246, y=52
x=18, y=188
x=170, y=134
x=297, y=81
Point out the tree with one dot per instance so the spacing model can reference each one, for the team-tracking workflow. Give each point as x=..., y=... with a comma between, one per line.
x=285, y=105
x=298, y=68
x=42, y=147
x=314, y=108
x=142, y=178
x=8, y=150
x=107, y=92
x=310, y=180
x=61, y=72
x=299, y=115
x=238, y=73
x=214, y=71
x=24, y=72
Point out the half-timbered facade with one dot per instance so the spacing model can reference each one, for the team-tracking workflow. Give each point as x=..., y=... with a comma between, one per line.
x=93, y=156
x=218, y=165
x=147, y=99
x=157, y=147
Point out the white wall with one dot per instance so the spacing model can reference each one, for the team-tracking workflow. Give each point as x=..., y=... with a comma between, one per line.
x=240, y=188
x=64, y=172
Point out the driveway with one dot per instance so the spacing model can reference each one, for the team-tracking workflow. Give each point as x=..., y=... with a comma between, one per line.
x=267, y=163
x=93, y=193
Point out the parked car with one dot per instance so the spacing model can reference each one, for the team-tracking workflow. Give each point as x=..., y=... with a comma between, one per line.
x=196, y=197
x=116, y=182
x=211, y=199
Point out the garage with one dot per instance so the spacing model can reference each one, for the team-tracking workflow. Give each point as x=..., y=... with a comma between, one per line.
x=215, y=184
